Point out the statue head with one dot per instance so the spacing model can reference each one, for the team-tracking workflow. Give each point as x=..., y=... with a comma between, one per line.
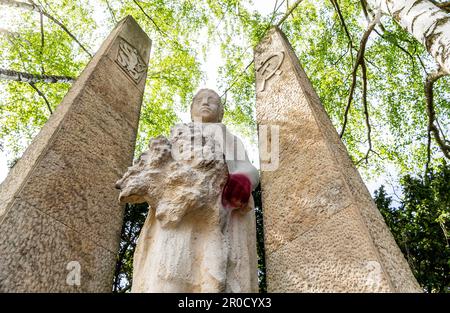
x=206, y=107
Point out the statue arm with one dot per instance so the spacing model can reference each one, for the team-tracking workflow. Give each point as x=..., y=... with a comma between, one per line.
x=241, y=164
x=246, y=168
x=243, y=178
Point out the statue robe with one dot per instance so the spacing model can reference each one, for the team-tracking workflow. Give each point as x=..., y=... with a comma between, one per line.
x=216, y=254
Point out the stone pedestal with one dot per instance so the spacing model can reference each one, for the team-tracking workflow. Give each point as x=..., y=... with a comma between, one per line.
x=323, y=232
x=60, y=221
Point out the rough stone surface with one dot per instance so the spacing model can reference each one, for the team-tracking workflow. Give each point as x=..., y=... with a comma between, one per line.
x=189, y=242
x=323, y=232
x=58, y=204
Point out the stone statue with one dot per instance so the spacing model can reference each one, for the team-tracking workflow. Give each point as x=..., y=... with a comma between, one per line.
x=199, y=235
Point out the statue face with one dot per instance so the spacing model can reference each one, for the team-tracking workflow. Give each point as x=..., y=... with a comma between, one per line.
x=206, y=107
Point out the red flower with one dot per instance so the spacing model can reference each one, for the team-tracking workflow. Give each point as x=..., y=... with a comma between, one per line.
x=236, y=192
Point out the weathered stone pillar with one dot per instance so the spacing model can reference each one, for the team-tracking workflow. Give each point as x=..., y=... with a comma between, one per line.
x=60, y=221
x=323, y=232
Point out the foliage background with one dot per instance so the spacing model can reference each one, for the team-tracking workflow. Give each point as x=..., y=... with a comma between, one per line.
x=186, y=34
x=420, y=225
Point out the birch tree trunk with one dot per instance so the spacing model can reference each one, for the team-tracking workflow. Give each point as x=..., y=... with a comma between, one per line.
x=33, y=78
x=425, y=21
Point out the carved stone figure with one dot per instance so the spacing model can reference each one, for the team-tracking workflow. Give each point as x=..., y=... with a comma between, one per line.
x=199, y=235
x=130, y=61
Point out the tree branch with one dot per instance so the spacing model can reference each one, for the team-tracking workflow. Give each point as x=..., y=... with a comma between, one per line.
x=365, y=10
x=111, y=11
x=41, y=19
x=340, y=58
x=429, y=81
x=443, y=5
x=7, y=32
x=359, y=61
x=366, y=114
x=289, y=12
x=151, y=19
x=36, y=8
x=281, y=21
x=396, y=44
x=366, y=110
x=427, y=164
x=235, y=80
x=6, y=74
x=43, y=96
x=344, y=25
x=440, y=129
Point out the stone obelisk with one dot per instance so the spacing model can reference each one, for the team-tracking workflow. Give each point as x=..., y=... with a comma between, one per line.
x=60, y=221
x=323, y=232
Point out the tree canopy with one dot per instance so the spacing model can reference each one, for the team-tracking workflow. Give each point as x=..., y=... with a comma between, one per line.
x=370, y=79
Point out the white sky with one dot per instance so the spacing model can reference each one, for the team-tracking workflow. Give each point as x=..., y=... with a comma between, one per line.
x=9, y=20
